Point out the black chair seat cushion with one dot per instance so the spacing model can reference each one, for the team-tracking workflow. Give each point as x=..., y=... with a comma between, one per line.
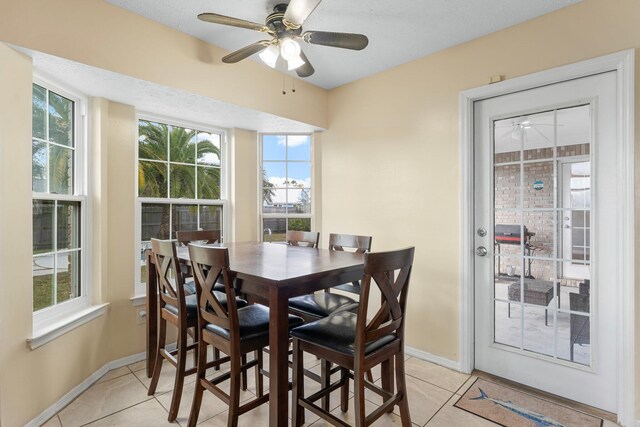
x=253, y=323
x=192, y=305
x=190, y=287
x=338, y=333
x=348, y=287
x=321, y=304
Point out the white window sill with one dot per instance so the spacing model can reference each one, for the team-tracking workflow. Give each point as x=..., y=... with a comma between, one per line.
x=138, y=300
x=54, y=330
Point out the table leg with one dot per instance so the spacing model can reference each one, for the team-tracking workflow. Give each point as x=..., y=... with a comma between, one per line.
x=152, y=313
x=278, y=358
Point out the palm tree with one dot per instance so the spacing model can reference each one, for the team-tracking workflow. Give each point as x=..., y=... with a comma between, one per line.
x=155, y=138
x=193, y=163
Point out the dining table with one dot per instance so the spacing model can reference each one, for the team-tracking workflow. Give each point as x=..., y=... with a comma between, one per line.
x=271, y=273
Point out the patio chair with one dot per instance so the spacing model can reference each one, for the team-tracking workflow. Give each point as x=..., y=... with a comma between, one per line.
x=579, y=325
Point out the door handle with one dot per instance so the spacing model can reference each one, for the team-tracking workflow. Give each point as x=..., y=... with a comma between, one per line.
x=481, y=251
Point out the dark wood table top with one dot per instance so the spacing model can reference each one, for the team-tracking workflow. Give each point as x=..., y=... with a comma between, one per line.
x=281, y=265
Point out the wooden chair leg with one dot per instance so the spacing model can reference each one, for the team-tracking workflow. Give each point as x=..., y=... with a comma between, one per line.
x=297, y=411
x=386, y=368
x=259, y=379
x=243, y=374
x=344, y=390
x=234, y=390
x=325, y=380
x=157, y=366
x=405, y=416
x=216, y=356
x=200, y=374
x=179, y=381
x=358, y=399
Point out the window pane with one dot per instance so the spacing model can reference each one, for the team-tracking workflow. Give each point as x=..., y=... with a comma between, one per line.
x=299, y=147
x=68, y=276
x=211, y=217
x=275, y=173
x=183, y=182
x=60, y=119
x=42, y=282
x=208, y=149
x=152, y=179
x=42, y=226
x=39, y=167
x=68, y=225
x=300, y=224
x=275, y=229
x=60, y=170
x=155, y=221
x=152, y=140
x=274, y=147
x=208, y=183
x=299, y=200
x=184, y=218
x=182, y=145
x=39, y=109
x=299, y=175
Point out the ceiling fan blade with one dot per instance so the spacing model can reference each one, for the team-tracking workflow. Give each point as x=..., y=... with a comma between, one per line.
x=343, y=40
x=307, y=69
x=245, y=52
x=297, y=11
x=233, y=22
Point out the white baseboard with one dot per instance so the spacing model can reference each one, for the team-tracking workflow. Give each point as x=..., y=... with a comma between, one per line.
x=451, y=364
x=80, y=388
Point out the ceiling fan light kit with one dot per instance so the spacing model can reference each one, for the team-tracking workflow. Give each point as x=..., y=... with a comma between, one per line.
x=284, y=25
x=270, y=55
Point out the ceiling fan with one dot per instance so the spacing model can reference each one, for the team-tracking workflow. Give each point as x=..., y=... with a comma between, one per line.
x=284, y=25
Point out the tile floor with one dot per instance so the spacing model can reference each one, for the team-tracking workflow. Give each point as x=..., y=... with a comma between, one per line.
x=120, y=399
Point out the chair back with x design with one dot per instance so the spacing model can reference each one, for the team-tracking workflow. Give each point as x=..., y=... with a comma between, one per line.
x=302, y=238
x=391, y=272
x=208, y=265
x=170, y=281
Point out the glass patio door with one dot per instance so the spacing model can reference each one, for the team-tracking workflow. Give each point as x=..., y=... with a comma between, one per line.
x=540, y=318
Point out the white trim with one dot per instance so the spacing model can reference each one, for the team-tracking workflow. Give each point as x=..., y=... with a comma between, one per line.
x=80, y=388
x=59, y=313
x=54, y=330
x=623, y=64
x=438, y=360
x=138, y=300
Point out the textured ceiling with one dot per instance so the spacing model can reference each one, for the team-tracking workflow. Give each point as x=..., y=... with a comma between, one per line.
x=399, y=31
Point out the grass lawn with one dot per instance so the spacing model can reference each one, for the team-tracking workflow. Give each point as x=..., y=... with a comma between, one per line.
x=43, y=290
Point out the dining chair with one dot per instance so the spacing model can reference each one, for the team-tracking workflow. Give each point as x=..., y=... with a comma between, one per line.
x=352, y=243
x=189, y=236
x=303, y=238
x=316, y=306
x=357, y=342
x=178, y=309
x=235, y=331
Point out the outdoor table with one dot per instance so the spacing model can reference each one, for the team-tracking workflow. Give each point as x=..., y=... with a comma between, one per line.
x=273, y=273
x=538, y=292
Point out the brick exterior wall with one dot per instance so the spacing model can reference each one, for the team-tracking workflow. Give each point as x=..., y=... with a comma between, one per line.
x=507, y=195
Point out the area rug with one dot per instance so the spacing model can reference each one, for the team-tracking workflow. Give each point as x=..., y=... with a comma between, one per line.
x=512, y=408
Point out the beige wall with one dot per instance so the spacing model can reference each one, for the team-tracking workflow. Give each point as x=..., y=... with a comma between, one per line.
x=244, y=185
x=389, y=164
x=390, y=157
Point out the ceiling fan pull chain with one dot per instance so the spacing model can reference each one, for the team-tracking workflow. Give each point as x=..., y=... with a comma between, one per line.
x=293, y=85
x=284, y=82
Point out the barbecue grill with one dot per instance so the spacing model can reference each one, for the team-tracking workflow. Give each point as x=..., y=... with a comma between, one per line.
x=514, y=234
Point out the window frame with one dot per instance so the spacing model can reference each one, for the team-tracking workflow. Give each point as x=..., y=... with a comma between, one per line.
x=261, y=214
x=140, y=285
x=45, y=317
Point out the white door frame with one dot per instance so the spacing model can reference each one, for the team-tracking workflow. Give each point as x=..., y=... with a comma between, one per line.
x=623, y=64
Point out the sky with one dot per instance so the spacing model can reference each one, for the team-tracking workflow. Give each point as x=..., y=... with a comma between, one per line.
x=287, y=158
